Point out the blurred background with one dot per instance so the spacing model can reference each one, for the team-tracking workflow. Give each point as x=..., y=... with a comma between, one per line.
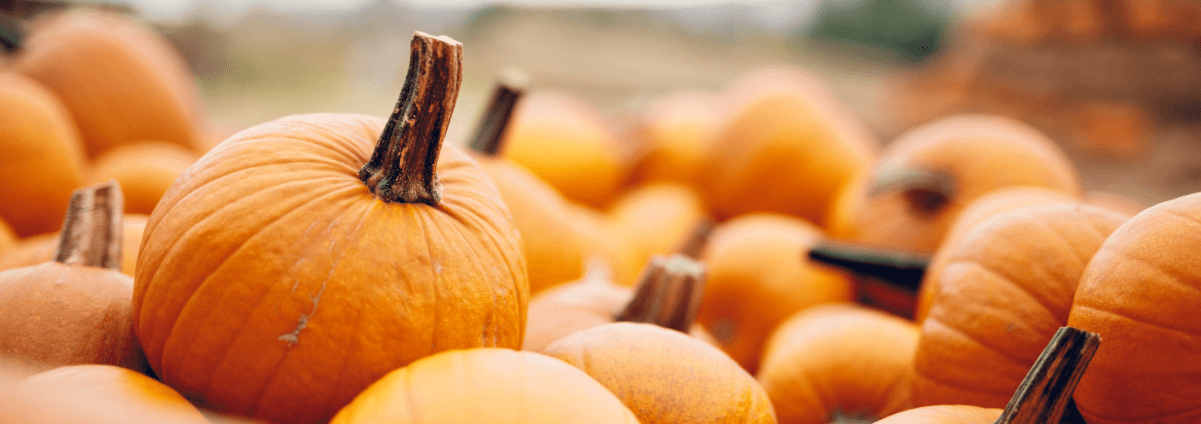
x=1121, y=98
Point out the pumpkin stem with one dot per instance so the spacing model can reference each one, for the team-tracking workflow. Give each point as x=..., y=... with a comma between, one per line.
x=402, y=167
x=12, y=33
x=1046, y=393
x=926, y=191
x=903, y=270
x=91, y=234
x=490, y=133
x=696, y=242
x=669, y=293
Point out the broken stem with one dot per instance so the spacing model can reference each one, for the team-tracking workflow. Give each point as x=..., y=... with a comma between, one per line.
x=1046, y=393
x=91, y=234
x=402, y=167
x=12, y=33
x=669, y=293
x=903, y=270
x=926, y=191
x=698, y=238
x=491, y=131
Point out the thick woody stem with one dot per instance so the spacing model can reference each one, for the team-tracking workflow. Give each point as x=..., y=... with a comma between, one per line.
x=12, y=33
x=668, y=294
x=1046, y=393
x=491, y=131
x=402, y=167
x=926, y=191
x=699, y=237
x=91, y=234
x=901, y=269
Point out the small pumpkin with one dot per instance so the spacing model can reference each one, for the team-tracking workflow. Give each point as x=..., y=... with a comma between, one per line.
x=1004, y=290
x=145, y=171
x=41, y=248
x=486, y=385
x=75, y=309
x=332, y=262
x=928, y=175
x=676, y=132
x=757, y=280
x=122, y=82
x=838, y=360
x=43, y=157
x=650, y=220
x=665, y=376
x=1140, y=293
x=103, y=393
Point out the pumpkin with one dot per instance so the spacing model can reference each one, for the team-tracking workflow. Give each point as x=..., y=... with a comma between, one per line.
x=665, y=376
x=565, y=143
x=595, y=233
x=1140, y=293
x=145, y=171
x=103, y=393
x=75, y=309
x=332, y=264
x=553, y=248
x=1115, y=129
x=1003, y=292
x=41, y=248
x=986, y=207
x=43, y=158
x=651, y=220
x=486, y=385
x=838, y=360
x=1114, y=201
x=675, y=133
x=928, y=175
x=7, y=238
x=1044, y=396
x=787, y=148
x=122, y=82
x=757, y=280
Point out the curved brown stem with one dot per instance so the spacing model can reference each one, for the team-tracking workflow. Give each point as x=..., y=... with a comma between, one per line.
x=927, y=191
x=402, y=167
x=12, y=33
x=669, y=293
x=901, y=269
x=1045, y=395
x=491, y=131
x=91, y=234
x=698, y=238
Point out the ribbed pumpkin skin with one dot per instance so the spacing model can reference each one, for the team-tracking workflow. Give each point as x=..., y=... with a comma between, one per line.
x=554, y=249
x=665, y=376
x=145, y=171
x=122, y=82
x=838, y=358
x=982, y=209
x=654, y=219
x=1007, y=287
x=486, y=386
x=1140, y=293
x=322, y=288
x=758, y=278
x=40, y=249
x=104, y=393
x=981, y=153
x=945, y=414
x=43, y=157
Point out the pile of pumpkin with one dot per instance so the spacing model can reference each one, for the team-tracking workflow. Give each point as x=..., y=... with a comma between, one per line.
x=357, y=269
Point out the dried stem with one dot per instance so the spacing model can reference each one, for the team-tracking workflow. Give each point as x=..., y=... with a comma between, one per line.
x=699, y=237
x=402, y=167
x=1046, y=393
x=669, y=293
x=91, y=234
x=927, y=191
x=12, y=33
x=491, y=131
x=901, y=269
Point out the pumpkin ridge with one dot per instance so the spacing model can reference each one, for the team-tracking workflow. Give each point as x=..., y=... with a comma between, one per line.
x=1158, y=268
x=434, y=273
x=1138, y=320
x=1042, y=302
x=973, y=339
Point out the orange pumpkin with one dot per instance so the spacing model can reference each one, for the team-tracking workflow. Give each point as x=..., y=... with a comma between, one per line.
x=1114, y=201
x=1005, y=289
x=75, y=309
x=566, y=144
x=788, y=148
x=7, y=239
x=675, y=134
x=553, y=248
x=122, y=82
x=331, y=264
x=40, y=248
x=145, y=171
x=486, y=385
x=102, y=393
x=928, y=175
x=839, y=359
x=757, y=280
x=665, y=376
x=1140, y=293
x=43, y=157
x=651, y=220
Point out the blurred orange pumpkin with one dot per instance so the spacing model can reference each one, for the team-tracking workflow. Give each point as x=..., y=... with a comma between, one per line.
x=145, y=171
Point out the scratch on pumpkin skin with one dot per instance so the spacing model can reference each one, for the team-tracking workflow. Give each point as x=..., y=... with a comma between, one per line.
x=294, y=337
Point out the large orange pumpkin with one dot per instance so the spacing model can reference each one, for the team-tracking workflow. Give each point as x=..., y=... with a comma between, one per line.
x=788, y=148
x=43, y=159
x=122, y=82
x=145, y=171
x=330, y=264
x=486, y=385
x=80, y=394
x=654, y=219
x=665, y=376
x=928, y=175
x=75, y=309
x=41, y=248
x=757, y=279
x=1005, y=289
x=839, y=359
x=1140, y=293
x=675, y=134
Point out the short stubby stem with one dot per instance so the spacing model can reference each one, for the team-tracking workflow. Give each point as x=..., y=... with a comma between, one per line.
x=91, y=233
x=901, y=269
x=490, y=133
x=669, y=293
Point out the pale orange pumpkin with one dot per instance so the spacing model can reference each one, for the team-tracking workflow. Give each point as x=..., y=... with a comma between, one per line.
x=675, y=134
x=1114, y=201
x=80, y=394
x=145, y=171
x=7, y=239
x=654, y=219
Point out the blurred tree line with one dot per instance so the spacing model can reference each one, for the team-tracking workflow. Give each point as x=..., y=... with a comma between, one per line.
x=912, y=29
